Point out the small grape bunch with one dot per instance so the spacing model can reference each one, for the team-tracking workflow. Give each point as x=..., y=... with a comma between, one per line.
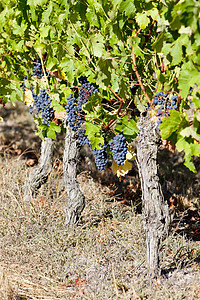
x=73, y=113
x=163, y=104
x=43, y=105
x=118, y=147
x=83, y=138
x=38, y=70
x=100, y=156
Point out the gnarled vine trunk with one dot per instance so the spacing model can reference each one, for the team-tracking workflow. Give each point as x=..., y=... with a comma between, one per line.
x=76, y=199
x=40, y=174
x=155, y=210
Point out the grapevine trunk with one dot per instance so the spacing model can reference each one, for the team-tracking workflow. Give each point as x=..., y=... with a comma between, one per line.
x=40, y=174
x=76, y=199
x=155, y=210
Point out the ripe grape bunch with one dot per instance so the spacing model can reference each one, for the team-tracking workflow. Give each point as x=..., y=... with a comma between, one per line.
x=163, y=104
x=85, y=91
x=73, y=113
x=100, y=156
x=23, y=84
x=118, y=147
x=74, y=106
x=42, y=103
x=83, y=138
x=38, y=70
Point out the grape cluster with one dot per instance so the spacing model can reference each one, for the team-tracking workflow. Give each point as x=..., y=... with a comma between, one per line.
x=73, y=113
x=23, y=84
x=38, y=71
x=100, y=156
x=163, y=104
x=82, y=79
x=118, y=146
x=85, y=91
x=74, y=105
x=83, y=138
x=42, y=103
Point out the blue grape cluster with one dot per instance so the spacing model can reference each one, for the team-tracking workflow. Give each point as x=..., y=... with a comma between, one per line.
x=118, y=147
x=85, y=91
x=82, y=79
x=42, y=103
x=74, y=105
x=100, y=156
x=23, y=84
x=163, y=104
x=83, y=138
x=73, y=113
x=38, y=71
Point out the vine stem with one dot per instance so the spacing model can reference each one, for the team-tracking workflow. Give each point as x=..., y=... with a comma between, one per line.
x=120, y=99
x=138, y=78
x=106, y=127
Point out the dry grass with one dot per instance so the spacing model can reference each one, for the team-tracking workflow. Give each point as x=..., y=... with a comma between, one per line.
x=102, y=258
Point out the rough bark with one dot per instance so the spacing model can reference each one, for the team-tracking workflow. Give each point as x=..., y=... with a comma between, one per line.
x=40, y=174
x=155, y=210
x=76, y=199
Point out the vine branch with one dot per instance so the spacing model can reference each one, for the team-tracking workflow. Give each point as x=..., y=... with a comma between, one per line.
x=138, y=77
x=106, y=127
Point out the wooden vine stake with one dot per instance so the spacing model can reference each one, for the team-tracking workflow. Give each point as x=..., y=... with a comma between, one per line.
x=76, y=199
x=155, y=210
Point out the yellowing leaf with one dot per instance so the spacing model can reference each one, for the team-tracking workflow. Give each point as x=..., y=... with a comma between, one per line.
x=130, y=155
x=127, y=166
x=121, y=170
x=1, y=119
x=28, y=98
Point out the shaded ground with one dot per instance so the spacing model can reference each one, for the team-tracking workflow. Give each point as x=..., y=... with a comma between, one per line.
x=104, y=257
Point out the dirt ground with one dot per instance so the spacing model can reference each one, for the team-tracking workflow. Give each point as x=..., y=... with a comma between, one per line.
x=104, y=256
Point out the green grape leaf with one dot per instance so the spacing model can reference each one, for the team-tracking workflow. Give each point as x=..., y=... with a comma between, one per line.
x=51, y=134
x=94, y=135
x=195, y=149
x=128, y=7
x=56, y=106
x=170, y=124
x=189, y=131
x=142, y=20
x=104, y=69
x=128, y=127
x=176, y=52
x=196, y=102
x=188, y=162
x=54, y=127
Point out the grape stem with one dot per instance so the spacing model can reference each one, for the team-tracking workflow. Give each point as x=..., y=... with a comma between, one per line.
x=139, y=79
x=120, y=99
x=43, y=69
x=148, y=35
x=106, y=127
